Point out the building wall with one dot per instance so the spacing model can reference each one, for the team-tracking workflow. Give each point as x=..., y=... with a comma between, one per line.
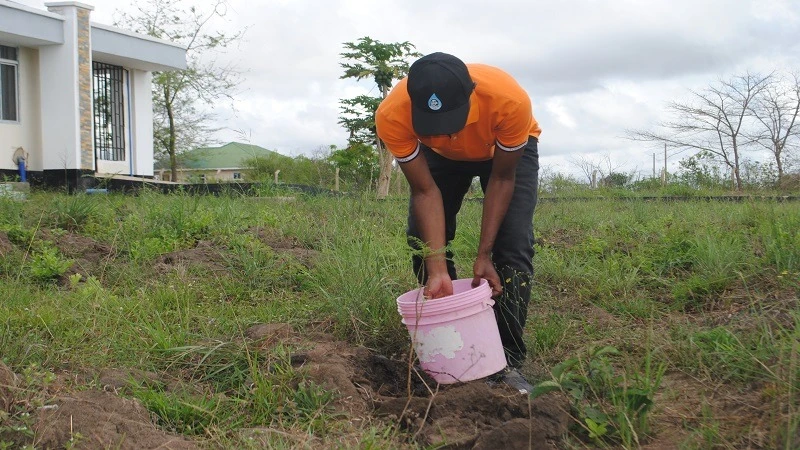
x=25, y=133
x=138, y=111
x=58, y=75
x=211, y=175
x=142, y=122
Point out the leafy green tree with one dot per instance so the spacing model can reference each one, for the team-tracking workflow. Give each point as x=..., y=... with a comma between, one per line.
x=262, y=168
x=701, y=170
x=616, y=179
x=358, y=117
x=357, y=164
x=383, y=63
x=180, y=121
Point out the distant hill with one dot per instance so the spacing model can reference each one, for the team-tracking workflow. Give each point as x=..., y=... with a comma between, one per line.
x=229, y=156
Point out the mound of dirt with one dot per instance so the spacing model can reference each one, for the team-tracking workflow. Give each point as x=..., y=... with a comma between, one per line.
x=96, y=419
x=91, y=257
x=286, y=245
x=205, y=255
x=476, y=415
x=269, y=332
x=461, y=416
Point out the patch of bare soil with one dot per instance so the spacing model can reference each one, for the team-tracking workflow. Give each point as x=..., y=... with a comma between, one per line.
x=473, y=415
x=91, y=257
x=737, y=306
x=85, y=419
x=6, y=247
x=690, y=403
x=286, y=245
x=205, y=254
x=97, y=419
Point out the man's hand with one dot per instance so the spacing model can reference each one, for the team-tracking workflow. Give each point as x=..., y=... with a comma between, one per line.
x=439, y=285
x=483, y=268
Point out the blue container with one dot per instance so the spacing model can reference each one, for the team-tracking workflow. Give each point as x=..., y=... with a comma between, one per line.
x=23, y=174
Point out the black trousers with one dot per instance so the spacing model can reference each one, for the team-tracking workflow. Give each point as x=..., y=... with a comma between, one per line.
x=512, y=254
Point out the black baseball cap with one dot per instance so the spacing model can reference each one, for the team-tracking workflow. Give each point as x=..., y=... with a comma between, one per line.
x=439, y=86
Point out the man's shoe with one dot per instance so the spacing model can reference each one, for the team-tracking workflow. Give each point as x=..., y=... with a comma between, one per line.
x=511, y=377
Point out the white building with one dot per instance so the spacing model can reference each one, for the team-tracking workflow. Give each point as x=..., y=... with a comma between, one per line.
x=75, y=96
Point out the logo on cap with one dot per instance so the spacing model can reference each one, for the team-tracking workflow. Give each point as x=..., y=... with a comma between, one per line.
x=434, y=103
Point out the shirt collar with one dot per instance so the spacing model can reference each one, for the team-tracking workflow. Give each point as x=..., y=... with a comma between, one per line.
x=474, y=110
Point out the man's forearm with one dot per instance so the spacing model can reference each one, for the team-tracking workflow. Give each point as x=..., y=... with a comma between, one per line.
x=428, y=210
x=495, y=205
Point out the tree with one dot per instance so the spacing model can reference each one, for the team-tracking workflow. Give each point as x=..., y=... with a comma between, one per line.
x=616, y=179
x=714, y=121
x=358, y=117
x=776, y=110
x=179, y=121
x=383, y=63
x=591, y=168
x=356, y=163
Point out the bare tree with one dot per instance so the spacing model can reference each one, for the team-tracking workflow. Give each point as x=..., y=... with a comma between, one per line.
x=586, y=166
x=591, y=168
x=776, y=110
x=181, y=99
x=713, y=121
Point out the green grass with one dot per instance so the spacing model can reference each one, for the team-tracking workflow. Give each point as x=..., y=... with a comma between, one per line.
x=704, y=289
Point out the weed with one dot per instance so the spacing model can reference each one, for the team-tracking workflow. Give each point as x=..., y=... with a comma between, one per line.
x=192, y=414
x=724, y=355
x=697, y=291
x=609, y=406
x=548, y=332
x=782, y=244
x=29, y=394
x=47, y=264
x=706, y=434
x=74, y=212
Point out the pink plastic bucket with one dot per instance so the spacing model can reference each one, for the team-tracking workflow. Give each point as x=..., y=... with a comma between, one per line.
x=455, y=337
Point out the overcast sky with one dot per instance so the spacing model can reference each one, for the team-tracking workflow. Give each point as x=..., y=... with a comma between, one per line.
x=593, y=68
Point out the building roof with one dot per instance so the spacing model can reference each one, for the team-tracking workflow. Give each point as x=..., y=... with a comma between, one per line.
x=138, y=51
x=23, y=25
x=232, y=155
x=31, y=27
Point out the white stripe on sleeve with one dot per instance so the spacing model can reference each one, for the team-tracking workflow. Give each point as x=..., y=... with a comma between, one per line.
x=510, y=149
x=409, y=157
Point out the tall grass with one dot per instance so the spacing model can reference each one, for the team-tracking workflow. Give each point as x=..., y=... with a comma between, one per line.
x=718, y=281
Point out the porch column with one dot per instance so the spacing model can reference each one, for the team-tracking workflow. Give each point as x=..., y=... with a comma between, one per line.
x=66, y=96
x=141, y=101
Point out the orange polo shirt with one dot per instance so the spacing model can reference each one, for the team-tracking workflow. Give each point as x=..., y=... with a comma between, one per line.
x=500, y=116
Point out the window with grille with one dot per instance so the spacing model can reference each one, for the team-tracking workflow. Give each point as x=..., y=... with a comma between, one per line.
x=9, y=66
x=109, y=111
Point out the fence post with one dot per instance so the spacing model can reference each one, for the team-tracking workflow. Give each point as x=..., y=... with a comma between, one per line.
x=276, y=175
x=336, y=184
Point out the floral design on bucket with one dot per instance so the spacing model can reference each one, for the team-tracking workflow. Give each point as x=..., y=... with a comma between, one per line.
x=444, y=341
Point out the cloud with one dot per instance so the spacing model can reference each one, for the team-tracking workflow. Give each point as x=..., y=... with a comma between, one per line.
x=593, y=68
x=555, y=106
